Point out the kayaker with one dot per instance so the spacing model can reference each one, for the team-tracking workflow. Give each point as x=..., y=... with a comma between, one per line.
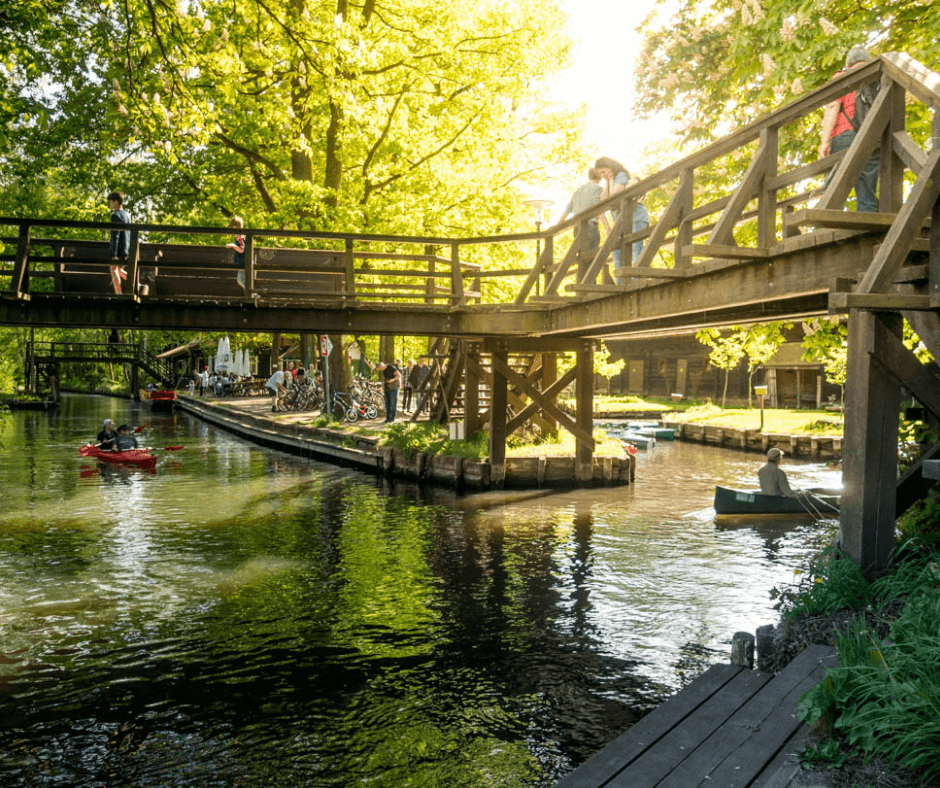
x=773, y=480
x=125, y=441
x=107, y=436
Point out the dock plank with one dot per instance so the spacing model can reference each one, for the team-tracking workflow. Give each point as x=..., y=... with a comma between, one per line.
x=732, y=755
x=605, y=765
x=670, y=753
x=731, y=727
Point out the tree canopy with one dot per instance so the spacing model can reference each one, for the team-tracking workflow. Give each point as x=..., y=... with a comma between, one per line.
x=716, y=65
x=387, y=115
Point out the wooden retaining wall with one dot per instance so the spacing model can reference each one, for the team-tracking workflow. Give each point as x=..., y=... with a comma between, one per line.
x=367, y=455
x=816, y=447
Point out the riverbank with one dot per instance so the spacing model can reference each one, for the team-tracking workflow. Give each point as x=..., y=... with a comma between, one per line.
x=873, y=719
x=250, y=418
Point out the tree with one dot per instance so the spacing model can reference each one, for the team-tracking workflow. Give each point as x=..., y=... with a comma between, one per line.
x=761, y=343
x=826, y=341
x=410, y=117
x=700, y=64
x=726, y=351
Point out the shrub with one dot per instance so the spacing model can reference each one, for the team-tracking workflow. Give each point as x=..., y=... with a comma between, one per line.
x=838, y=583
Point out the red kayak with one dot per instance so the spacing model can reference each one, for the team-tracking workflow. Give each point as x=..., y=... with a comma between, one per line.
x=139, y=457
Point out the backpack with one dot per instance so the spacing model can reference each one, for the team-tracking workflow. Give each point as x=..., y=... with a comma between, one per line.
x=864, y=98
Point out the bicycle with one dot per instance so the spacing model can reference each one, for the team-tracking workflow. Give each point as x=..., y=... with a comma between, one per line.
x=351, y=408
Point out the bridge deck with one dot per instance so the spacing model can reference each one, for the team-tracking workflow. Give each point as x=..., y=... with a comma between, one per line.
x=732, y=727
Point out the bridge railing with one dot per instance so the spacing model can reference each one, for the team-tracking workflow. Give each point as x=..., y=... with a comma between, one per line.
x=779, y=204
x=279, y=264
x=762, y=214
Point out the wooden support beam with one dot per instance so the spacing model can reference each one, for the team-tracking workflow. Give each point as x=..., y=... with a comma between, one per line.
x=842, y=220
x=667, y=221
x=456, y=275
x=934, y=258
x=897, y=243
x=547, y=394
x=915, y=482
x=543, y=263
x=19, y=279
x=501, y=366
x=686, y=197
x=901, y=363
x=471, y=396
x=908, y=151
x=133, y=264
x=767, y=194
x=498, y=402
x=887, y=302
x=584, y=450
x=549, y=376
x=870, y=453
x=891, y=166
x=729, y=252
x=249, y=263
x=350, y=268
x=648, y=273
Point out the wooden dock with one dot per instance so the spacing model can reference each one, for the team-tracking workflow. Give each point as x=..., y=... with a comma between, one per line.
x=730, y=728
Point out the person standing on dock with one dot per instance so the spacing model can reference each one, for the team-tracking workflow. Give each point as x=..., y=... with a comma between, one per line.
x=277, y=385
x=407, y=385
x=773, y=480
x=391, y=382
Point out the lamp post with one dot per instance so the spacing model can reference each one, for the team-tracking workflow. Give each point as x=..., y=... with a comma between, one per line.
x=760, y=391
x=538, y=206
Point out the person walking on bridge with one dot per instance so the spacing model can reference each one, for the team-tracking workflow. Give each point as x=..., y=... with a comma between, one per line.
x=119, y=246
x=841, y=122
x=587, y=195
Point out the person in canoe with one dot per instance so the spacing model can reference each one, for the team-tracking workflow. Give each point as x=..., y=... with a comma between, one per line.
x=125, y=440
x=107, y=436
x=773, y=480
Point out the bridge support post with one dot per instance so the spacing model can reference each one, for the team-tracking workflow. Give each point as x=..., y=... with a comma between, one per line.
x=584, y=454
x=499, y=399
x=471, y=397
x=870, y=458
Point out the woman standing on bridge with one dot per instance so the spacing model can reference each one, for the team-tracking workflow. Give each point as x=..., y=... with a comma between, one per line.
x=616, y=179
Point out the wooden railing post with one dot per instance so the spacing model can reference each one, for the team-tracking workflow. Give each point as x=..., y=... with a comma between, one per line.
x=686, y=199
x=456, y=275
x=767, y=194
x=19, y=280
x=934, y=262
x=249, y=263
x=584, y=387
x=133, y=264
x=891, y=170
x=350, y=269
x=499, y=400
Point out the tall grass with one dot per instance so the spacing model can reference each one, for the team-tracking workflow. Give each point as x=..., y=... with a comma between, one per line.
x=885, y=695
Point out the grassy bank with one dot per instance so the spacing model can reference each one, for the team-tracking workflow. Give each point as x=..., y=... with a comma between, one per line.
x=778, y=420
x=876, y=716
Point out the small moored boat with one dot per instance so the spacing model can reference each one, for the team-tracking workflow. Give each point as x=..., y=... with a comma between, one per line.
x=161, y=400
x=139, y=457
x=815, y=502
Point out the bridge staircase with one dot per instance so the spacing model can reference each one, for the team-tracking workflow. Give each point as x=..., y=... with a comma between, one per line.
x=45, y=358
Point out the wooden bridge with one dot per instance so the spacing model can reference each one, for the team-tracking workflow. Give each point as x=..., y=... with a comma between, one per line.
x=779, y=245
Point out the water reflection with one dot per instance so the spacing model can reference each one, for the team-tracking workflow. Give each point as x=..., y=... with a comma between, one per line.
x=242, y=617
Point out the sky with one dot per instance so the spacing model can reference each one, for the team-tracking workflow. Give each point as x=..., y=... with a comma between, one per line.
x=602, y=78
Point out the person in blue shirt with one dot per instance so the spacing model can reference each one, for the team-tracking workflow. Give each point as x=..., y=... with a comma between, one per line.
x=125, y=441
x=120, y=246
x=616, y=179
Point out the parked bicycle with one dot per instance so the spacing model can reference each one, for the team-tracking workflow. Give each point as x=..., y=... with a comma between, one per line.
x=351, y=409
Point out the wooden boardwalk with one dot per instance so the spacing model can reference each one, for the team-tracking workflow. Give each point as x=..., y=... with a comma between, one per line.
x=730, y=728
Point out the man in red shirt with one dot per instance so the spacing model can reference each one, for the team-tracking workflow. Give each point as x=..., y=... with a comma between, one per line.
x=838, y=133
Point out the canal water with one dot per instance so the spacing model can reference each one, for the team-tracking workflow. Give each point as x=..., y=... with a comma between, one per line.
x=243, y=617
